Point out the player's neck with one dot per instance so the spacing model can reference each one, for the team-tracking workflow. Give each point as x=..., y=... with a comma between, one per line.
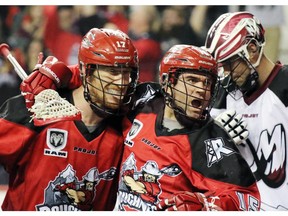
x=264, y=69
x=88, y=116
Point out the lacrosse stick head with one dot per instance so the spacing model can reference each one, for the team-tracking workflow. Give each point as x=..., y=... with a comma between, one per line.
x=49, y=108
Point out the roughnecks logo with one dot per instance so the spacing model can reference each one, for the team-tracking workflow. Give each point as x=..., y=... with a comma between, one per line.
x=139, y=188
x=67, y=193
x=133, y=201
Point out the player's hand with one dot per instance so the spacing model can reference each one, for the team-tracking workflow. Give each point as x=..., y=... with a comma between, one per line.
x=51, y=74
x=234, y=125
x=188, y=201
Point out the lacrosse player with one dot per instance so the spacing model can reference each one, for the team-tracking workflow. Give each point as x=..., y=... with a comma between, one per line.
x=257, y=88
x=175, y=156
x=70, y=165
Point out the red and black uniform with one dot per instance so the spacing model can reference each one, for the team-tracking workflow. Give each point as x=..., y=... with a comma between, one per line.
x=39, y=159
x=201, y=159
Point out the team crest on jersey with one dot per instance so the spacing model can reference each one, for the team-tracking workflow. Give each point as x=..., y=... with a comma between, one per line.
x=271, y=153
x=135, y=129
x=67, y=193
x=140, y=189
x=56, y=140
x=215, y=150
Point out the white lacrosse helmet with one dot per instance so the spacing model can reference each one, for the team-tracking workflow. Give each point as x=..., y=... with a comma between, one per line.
x=231, y=33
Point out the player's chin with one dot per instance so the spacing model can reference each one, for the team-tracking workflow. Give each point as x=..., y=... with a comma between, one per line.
x=113, y=105
x=194, y=113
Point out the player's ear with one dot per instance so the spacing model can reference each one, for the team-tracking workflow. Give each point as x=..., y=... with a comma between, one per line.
x=253, y=50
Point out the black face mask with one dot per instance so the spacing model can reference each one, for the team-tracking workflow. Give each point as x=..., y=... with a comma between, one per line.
x=250, y=85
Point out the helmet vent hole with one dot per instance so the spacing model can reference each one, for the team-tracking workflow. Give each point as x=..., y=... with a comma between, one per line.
x=98, y=54
x=182, y=59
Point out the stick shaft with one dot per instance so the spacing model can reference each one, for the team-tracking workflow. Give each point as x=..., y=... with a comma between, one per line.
x=19, y=70
x=4, y=49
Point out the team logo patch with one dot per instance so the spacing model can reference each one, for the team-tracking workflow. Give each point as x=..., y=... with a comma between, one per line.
x=271, y=156
x=215, y=150
x=139, y=188
x=135, y=129
x=56, y=140
x=68, y=192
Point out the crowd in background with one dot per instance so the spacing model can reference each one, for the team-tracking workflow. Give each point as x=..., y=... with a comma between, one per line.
x=58, y=30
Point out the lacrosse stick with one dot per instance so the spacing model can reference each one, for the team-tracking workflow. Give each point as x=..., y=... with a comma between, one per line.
x=49, y=107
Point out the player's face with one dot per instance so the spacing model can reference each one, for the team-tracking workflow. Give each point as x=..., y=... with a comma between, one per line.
x=108, y=86
x=192, y=93
x=237, y=68
x=89, y=186
x=149, y=177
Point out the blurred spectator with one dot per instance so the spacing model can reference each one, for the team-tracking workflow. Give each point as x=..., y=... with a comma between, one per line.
x=89, y=16
x=28, y=24
x=272, y=24
x=7, y=14
x=143, y=26
x=34, y=48
x=203, y=16
x=60, y=37
x=117, y=15
x=176, y=29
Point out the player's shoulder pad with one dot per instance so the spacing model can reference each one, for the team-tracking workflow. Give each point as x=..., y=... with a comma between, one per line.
x=215, y=156
x=145, y=92
x=279, y=85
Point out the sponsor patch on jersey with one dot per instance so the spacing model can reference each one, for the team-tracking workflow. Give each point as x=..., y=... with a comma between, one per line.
x=135, y=129
x=56, y=140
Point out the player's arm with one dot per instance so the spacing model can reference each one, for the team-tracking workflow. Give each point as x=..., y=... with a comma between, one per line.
x=222, y=178
x=16, y=132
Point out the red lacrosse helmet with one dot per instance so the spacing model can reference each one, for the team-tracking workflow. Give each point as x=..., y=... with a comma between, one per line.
x=231, y=33
x=188, y=59
x=111, y=48
x=107, y=47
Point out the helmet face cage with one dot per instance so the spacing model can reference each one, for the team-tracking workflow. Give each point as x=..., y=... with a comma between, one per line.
x=229, y=83
x=203, y=104
x=100, y=104
x=108, y=50
x=193, y=62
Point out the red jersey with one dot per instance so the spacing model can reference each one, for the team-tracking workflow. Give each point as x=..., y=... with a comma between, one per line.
x=203, y=159
x=57, y=167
